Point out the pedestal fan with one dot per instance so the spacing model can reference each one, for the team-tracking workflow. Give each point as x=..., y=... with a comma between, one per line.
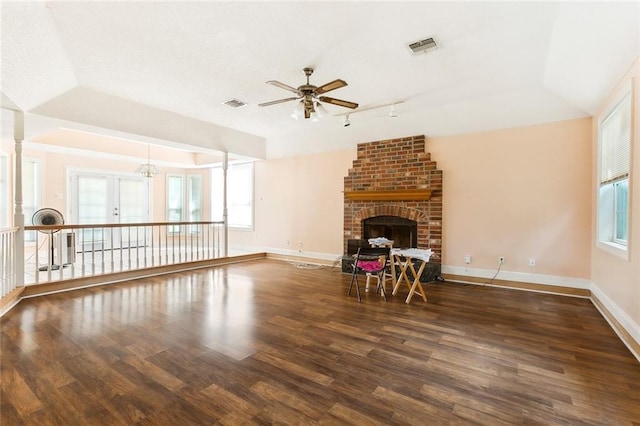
x=48, y=216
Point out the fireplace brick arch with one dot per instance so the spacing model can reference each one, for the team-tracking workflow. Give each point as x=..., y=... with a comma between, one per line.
x=395, y=165
x=390, y=210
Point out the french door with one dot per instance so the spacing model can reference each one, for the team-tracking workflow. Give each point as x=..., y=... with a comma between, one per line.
x=97, y=198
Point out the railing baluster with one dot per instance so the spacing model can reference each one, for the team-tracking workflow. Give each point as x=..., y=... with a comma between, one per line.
x=61, y=265
x=84, y=270
x=93, y=251
x=112, y=251
x=137, y=247
x=102, y=247
x=72, y=239
x=49, y=256
x=208, y=240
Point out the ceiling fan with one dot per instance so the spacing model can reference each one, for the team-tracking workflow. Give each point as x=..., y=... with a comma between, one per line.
x=309, y=95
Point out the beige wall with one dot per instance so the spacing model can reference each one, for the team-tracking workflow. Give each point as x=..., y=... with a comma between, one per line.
x=521, y=193
x=617, y=280
x=299, y=199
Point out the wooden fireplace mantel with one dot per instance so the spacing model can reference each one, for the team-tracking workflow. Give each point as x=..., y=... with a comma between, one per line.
x=401, y=195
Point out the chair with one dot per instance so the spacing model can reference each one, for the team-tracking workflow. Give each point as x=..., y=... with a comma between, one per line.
x=370, y=260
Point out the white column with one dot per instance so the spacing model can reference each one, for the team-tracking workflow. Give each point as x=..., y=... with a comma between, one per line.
x=18, y=215
x=225, y=216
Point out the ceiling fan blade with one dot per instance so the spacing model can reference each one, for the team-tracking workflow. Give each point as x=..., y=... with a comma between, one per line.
x=279, y=101
x=335, y=84
x=282, y=86
x=338, y=102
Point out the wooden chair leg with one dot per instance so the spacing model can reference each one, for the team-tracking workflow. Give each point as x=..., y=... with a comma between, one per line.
x=381, y=282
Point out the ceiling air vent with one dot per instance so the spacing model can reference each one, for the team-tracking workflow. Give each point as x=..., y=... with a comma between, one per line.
x=421, y=46
x=235, y=103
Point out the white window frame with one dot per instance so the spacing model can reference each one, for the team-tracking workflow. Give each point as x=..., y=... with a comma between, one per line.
x=245, y=199
x=186, y=208
x=607, y=190
x=190, y=206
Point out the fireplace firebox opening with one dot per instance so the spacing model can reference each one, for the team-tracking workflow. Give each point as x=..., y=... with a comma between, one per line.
x=403, y=232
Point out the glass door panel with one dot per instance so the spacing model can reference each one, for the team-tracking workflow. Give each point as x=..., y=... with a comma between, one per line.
x=133, y=208
x=93, y=208
x=107, y=199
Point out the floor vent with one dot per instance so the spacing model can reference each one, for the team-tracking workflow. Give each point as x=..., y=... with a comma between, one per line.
x=421, y=46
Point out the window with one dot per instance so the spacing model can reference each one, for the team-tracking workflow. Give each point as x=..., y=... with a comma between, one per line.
x=194, y=200
x=613, y=195
x=31, y=190
x=239, y=194
x=184, y=200
x=174, y=200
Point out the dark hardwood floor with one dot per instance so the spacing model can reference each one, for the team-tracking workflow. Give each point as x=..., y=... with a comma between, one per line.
x=266, y=342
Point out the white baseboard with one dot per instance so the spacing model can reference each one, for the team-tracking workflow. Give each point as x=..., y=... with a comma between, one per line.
x=311, y=255
x=524, y=277
x=628, y=324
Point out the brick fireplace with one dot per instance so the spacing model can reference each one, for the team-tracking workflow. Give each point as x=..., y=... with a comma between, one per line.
x=395, y=178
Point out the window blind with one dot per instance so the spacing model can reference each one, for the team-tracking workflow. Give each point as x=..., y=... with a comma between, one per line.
x=616, y=142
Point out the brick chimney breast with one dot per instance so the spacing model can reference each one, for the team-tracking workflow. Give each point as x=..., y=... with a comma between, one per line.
x=391, y=170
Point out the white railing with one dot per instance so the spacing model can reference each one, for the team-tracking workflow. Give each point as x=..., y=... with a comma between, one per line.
x=77, y=251
x=7, y=261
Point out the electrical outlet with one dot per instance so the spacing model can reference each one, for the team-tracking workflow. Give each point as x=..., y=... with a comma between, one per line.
x=501, y=260
x=467, y=258
x=532, y=262
x=287, y=243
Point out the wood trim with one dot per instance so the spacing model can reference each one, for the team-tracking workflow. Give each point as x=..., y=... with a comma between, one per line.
x=96, y=280
x=117, y=225
x=565, y=291
x=406, y=195
x=624, y=335
x=10, y=300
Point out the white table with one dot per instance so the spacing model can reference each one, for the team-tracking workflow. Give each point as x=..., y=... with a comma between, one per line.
x=406, y=266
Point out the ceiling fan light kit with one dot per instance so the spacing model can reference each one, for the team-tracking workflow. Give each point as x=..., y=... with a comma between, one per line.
x=309, y=96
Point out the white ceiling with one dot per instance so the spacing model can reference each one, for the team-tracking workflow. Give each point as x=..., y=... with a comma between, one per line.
x=163, y=69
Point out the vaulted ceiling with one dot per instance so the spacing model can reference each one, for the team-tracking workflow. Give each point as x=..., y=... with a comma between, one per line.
x=162, y=70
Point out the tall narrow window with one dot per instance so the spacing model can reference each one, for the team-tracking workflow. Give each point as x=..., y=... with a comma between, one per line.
x=194, y=200
x=175, y=197
x=31, y=190
x=239, y=194
x=615, y=155
x=184, y=200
